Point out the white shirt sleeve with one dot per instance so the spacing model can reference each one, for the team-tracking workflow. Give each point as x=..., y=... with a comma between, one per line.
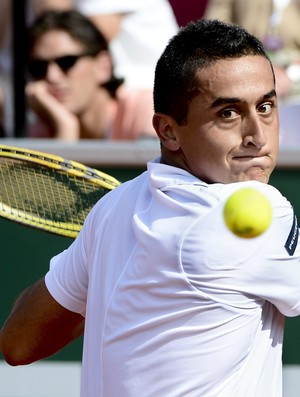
x=67, y=278
x=239, y=271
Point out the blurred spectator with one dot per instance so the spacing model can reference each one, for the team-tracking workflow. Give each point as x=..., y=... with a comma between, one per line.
x=136, y=39
x=137, y=31
x=74, y=91
x=187, y=11
x=39, y=6
x=34, y=7
x=276, y=23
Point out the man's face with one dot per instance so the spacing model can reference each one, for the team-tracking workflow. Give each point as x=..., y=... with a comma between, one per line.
x=231, y=133
x=76, y=87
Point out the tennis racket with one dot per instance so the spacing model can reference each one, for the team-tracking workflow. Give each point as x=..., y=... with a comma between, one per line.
x=48, y=192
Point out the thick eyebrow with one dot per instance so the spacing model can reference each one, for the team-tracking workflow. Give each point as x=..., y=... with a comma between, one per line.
x=226, y=101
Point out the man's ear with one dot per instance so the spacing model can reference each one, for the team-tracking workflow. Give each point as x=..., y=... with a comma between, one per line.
x=165, y=127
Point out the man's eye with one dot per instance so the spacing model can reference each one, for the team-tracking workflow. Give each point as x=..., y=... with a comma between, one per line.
x=265, y=108
x=229, y=113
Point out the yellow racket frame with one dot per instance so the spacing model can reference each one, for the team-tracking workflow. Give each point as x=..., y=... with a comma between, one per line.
x=67, y=229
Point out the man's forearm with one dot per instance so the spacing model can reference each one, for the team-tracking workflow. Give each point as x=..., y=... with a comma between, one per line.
x=37, y=327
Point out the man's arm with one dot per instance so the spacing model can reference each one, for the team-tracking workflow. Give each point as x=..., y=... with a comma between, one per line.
x=37, y=327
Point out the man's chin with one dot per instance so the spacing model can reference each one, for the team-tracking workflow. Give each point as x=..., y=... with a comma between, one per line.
x=255, y=175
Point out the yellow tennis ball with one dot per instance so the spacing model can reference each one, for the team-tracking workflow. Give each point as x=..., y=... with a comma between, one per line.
x=248, y=213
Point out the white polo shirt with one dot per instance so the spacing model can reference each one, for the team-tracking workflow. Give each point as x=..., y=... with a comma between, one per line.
x=175, y=304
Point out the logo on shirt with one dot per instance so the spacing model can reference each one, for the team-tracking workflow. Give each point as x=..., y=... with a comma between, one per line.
x=292, y=240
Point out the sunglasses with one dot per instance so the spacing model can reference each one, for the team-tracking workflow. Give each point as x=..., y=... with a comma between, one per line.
x=38, y=67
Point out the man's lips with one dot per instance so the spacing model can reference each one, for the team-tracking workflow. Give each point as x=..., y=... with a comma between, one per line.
x=261, y=161
x=248, y=156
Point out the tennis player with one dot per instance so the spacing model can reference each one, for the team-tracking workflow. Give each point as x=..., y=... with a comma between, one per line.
x=174, y=303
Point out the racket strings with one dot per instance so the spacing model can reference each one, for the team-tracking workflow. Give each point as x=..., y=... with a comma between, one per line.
x=46, y=195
